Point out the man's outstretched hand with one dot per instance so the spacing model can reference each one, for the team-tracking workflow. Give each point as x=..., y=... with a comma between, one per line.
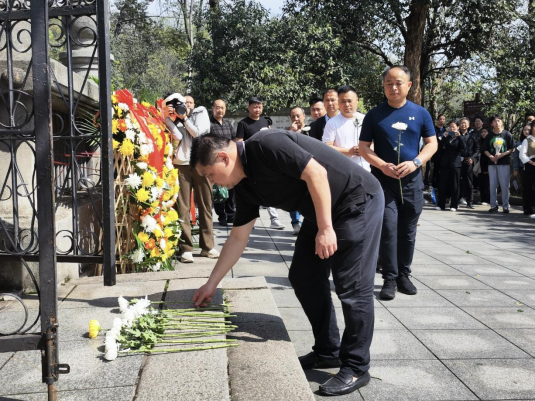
x=203, y=296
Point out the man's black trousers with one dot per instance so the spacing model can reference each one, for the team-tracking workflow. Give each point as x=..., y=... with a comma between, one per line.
x=450, y=180
x=400, y=222
x=467, y=182
x=226, y=210
x=358, y=230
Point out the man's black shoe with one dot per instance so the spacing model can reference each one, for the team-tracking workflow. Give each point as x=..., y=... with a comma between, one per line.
x=314, y=361
x=470, y=206
x=230, y=219
x=344, y=383
x=389, y=289
x=223, y=223
x=506, y=211
x=406, y=286
x=493, y=209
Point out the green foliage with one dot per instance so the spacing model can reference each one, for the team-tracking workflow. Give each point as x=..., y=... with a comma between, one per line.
x=284, y=61
x=150, y=57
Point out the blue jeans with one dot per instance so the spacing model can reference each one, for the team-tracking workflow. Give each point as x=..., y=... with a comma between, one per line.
x=295, y=217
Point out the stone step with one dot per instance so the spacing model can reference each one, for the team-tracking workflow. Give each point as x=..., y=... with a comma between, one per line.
x=265, y=365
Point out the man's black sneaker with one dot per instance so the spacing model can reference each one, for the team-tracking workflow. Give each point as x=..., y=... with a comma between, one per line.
x=406, y=286
x=389, y=289
x=470, y=206
x=506, y=210
x=314, y=361
x=493, y=209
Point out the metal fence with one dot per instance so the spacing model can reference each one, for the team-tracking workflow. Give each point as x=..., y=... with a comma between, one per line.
x=56, y=160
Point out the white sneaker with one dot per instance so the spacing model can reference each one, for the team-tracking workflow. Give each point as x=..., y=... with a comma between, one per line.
x=462, y=201
x=532, y=217
x=186, y=257
x=438, y=208
x=484, y=203
x=297, y=228
x=453, y=209
x=211, y=254
x=277, y=225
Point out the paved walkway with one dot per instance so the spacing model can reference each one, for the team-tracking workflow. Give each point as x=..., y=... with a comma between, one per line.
x=469, y=333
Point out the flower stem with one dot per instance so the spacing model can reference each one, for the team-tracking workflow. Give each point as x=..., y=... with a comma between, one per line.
x=184, y=349
x=399, y=154
x=196, y=341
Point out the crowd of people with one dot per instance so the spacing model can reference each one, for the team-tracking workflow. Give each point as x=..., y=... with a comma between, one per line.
x=358, y=182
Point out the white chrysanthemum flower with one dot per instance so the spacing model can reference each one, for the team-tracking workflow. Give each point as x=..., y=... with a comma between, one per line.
x=138, y=256
x=148, y=223
x=133, y=181
x=163, y=243
x=144, y=150
x=142, y=165
x=130, y=135
x=168, y=204
x=400, y=126
x=111, y=351
x=169, y=164
x=112, y=334
x=117, y=324
x=157, y=267
x=123, y=106
x=155, y=194
x=128, y=317
x=123, y=304
x=128, y=122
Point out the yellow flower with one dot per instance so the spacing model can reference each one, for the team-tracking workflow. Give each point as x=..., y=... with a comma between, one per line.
x=148, y=179
x=163, y=257
x=155, y=204
x=165, y=170
x=157, y=232
x=116, y=144
x=155, y=252
x=170, y=253
x=94, y=328
x=143, y=237
x=142, y=195
x=127, y=148
x=166, y=196
x=145, y=104
x=167, y=148
x=159, y=182
x=172, y=215
x=113, y=99
x=174, y=173
x=114, y=126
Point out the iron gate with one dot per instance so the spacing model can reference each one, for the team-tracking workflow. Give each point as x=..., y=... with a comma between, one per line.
x=56, y=160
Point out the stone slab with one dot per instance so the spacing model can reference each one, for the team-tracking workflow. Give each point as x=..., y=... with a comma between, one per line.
x=4, y=357
x=252, y=306
x=99, y=296
x=196, y=375
x=183, y=291
x=244, y=283
x=385, y=320
x=485, y=270
x=22, y=374
x=397, y=345
x=435, y=270
x=509, y=283
x=497, y=379
x=468, y=344
x=435, y=319
x=525, y=270
x=460, y=259
x=483, y=298
x=424, y=298
x=414, y=380
x=522, y=338
x=125, y=393
x=527, y=297
x=452, y=283
x=504, y=318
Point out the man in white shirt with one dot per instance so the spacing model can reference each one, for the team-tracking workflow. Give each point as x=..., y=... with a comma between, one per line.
x=342, y=132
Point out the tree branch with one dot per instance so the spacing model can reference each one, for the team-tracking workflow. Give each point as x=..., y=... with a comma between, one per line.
x=399, y=20
x=377, y=52
x=428, y=72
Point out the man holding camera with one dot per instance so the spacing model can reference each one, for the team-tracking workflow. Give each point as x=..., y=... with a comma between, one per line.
x=191, y=122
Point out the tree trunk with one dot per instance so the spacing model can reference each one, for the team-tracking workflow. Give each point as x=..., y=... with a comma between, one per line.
x=214, y=4
x=414, y=42
x=531, y=10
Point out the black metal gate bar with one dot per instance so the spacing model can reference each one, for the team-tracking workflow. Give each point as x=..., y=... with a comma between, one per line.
x=45, y=193
x=108, y=192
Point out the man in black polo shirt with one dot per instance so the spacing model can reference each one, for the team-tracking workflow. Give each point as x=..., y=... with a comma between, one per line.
x=342, y=205
x=219, y=126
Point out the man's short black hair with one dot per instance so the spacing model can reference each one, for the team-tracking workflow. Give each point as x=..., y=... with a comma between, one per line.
x=329, y=90
x=346, y=89
x=255, y=100
x=314, y=100
x=204, y=148
x=441, y=115
x=494, y=117
x=401, y=67
x=453, y=122
x=296, y=107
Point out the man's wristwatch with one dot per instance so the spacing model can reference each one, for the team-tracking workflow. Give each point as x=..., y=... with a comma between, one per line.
x=417, y=162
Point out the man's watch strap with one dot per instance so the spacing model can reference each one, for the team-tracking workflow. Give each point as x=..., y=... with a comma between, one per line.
x=417, y=162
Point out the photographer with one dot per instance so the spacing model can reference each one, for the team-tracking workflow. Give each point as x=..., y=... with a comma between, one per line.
x=191, y=122
x=450, y=167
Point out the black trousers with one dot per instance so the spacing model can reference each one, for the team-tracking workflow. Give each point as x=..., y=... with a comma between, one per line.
x=450, y=178
x=353, y=265
x=528, y=189
x=467, y=182
x=226, y=210
x=427, y=172
x=400, y=221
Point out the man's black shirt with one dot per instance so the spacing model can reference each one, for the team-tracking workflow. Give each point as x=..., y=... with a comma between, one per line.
x=273, y=161
x=224, y=129
x=248, y=127
x=317, y=127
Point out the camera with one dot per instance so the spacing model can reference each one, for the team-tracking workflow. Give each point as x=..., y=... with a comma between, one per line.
x=177, y=101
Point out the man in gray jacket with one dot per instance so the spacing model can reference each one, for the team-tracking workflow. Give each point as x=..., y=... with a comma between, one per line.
x=195, y=122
